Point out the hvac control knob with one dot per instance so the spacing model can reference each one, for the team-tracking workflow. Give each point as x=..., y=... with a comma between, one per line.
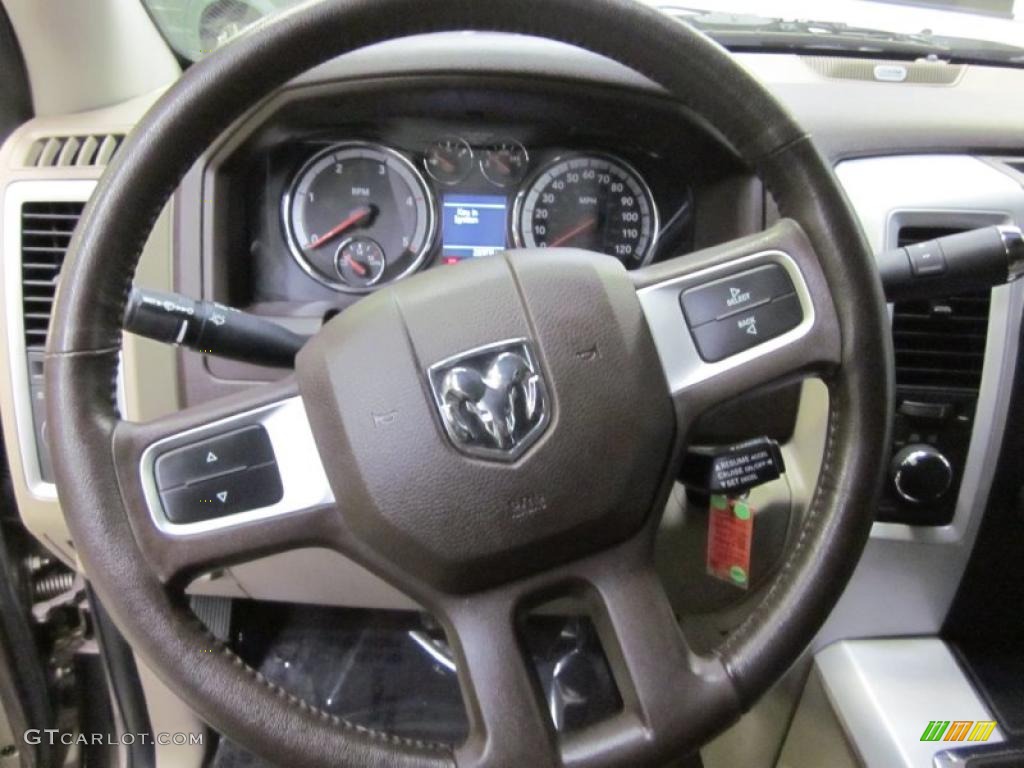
x=921, y=474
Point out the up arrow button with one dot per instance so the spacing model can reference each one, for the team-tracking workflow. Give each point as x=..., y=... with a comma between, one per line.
x=213, y=457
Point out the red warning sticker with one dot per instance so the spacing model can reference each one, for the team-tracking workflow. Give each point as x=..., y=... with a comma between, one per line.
x=730, y=529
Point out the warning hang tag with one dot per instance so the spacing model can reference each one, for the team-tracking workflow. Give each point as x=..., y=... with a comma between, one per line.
x=730, y=531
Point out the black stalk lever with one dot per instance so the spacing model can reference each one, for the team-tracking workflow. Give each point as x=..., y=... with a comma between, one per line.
x=207, y=326
x=974, y=260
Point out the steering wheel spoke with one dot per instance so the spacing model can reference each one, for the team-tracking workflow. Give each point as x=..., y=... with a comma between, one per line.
x=508, y=721
x=672, y=697
x=733, y=318
x=223, y=482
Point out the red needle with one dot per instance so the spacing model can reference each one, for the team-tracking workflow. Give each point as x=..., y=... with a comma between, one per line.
x=353, y=218
x=447, y=165
x=588, y=223
x=502, y=165
x=359, y=268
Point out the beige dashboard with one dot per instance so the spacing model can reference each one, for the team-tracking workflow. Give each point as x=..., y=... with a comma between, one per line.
x=26, y=175
x=899, y=149
x=150, y=372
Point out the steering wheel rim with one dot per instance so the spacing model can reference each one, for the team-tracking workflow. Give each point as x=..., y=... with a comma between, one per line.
x=95, y=453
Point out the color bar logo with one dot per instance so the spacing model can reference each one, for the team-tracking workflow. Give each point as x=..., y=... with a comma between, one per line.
x=958, y=730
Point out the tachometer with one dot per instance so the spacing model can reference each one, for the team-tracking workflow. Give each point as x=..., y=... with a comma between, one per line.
x=359, y=193
x=592, y=202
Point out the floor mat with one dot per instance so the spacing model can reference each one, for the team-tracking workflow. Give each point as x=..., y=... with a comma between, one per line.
x=393, y=671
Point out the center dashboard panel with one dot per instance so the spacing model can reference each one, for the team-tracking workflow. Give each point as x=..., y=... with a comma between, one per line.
x=335, y=190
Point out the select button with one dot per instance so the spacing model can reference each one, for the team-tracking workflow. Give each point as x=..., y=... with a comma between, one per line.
x=736, y=333
x=733, y=294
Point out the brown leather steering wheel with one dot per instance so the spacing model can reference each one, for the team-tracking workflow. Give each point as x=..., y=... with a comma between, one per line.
x=476, y=540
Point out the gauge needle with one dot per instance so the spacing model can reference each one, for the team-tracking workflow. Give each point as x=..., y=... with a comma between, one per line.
x=359, y=268
x=446, y=165
x=588, y=223
x=351, y=220
x=502, y=165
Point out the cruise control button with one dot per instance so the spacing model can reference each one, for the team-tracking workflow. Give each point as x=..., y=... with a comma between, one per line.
x=724, y=338
x=228, y=494
x=241, y=448
x=733, y=294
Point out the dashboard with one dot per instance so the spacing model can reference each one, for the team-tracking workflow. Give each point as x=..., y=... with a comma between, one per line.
x=341, y=190
x=444, y=116
x=361, y=215
x=479, y=130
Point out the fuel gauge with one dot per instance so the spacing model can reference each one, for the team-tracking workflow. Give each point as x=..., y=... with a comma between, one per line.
x=504, y=163
x=449, y=160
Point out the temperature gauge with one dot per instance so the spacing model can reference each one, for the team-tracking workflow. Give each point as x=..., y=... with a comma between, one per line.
x=505, y=163
x=360, y=262
x=449, y=160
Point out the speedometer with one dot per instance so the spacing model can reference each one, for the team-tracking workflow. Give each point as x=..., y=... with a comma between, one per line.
x=592, y=202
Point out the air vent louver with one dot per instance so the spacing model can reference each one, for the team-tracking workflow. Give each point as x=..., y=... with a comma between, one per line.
x=882, y=70
x=46, y=230
x=73, y=151
x=940, y=343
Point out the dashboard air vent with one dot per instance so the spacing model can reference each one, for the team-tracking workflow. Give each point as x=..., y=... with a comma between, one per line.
x=73, y=151
x=940, y=343
x=46, y=230
x=885, y=71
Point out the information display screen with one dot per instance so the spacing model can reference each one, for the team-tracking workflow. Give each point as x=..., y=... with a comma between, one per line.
x=473, y=226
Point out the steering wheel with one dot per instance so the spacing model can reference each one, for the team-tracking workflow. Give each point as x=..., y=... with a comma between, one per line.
x=601, y=379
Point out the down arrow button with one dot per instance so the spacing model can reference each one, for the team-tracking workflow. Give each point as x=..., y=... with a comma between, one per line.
x=229, y=494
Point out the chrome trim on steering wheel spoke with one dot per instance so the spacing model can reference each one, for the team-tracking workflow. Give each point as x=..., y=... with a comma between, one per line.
x=302, y=473
x=683, y=365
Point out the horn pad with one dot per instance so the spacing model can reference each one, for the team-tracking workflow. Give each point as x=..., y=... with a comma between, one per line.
x=493, y=400
x=483, y=421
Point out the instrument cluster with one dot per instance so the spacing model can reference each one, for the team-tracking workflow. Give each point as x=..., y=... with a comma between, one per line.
x=357, y=215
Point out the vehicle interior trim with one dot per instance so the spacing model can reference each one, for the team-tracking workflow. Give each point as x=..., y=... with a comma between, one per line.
x=679, y=357
x=302, y=473
x=884, y=693
x=949, y=191
x=15, y=195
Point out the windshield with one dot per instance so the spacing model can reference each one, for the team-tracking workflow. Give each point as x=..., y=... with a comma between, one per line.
x=986, y=31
